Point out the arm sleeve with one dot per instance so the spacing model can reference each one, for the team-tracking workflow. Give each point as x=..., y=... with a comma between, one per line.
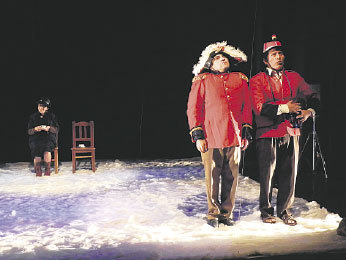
x=259, y=104
x=247, y=104
x=270, y=110
x=31, y=126
x=195, y=109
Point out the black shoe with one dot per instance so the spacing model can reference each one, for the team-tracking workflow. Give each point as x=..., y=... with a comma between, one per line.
x=212, y=222
x=226, y=221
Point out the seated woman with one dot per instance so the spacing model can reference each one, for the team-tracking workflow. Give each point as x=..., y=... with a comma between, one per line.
x=42, y=129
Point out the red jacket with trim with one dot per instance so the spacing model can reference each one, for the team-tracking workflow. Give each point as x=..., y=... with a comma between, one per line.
x=272, y=125
x=220, y=104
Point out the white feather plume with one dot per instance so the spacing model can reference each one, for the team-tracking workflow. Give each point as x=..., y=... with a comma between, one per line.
x=216, y=47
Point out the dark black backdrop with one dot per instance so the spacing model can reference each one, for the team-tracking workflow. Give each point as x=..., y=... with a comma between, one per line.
x=128, y=67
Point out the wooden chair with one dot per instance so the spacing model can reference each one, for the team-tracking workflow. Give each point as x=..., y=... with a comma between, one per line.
x=83, y=142
x=55, y=157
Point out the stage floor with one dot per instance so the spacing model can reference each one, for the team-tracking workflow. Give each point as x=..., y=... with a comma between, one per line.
x=147, y=210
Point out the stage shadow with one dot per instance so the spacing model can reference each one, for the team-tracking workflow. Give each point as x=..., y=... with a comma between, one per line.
x=197, y=205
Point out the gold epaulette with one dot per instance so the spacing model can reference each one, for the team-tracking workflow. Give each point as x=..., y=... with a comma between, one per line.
x=199, y=77
x=243, y=76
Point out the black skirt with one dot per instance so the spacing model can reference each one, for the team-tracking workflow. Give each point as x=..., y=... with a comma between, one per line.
x=38, y=147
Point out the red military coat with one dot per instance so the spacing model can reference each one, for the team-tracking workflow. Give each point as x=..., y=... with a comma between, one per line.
x=220, y=104
x=292, y=86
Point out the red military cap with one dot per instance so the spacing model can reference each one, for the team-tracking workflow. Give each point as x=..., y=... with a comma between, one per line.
x=271, y=44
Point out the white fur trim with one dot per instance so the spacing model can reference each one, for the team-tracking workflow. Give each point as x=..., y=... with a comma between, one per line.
x=216, y=47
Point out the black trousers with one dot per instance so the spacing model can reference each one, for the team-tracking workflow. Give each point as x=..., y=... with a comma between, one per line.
x=278, y=155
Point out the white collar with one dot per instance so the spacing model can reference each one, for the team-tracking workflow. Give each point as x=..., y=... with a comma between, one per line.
x=277, y=73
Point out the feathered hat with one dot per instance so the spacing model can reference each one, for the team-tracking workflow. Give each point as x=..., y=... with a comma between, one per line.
x=214, y=49
x=272, y=44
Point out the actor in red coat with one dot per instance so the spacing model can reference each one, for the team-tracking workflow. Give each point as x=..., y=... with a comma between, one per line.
x=282, y=101
x=219, y=110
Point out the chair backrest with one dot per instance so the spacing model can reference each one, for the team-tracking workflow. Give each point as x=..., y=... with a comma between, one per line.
x=83, y=132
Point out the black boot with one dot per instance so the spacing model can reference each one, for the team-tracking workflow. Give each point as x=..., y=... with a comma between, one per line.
x=48, y=169
x=226, y=221
x=213, y=222
x=37, y=167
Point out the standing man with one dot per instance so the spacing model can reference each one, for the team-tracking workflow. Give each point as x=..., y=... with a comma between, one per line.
x=282, y=101
x=42, y=130
x=220, y=117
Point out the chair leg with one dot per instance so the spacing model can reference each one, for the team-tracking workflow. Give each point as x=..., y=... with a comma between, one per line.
x=73, y=162
x=56, y=161
x=93, y=161
x=56, y=167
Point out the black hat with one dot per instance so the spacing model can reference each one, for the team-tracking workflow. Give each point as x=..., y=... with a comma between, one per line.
x=213, y=54
x=44, y=102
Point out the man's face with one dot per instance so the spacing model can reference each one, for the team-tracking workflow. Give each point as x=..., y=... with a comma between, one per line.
x=275, y=59
x=42, y=109
x=220, y=63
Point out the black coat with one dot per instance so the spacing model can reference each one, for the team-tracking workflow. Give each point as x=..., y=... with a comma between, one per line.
x=48, y=119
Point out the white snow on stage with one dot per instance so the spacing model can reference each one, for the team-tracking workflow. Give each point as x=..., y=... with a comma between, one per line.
x=143, y=210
